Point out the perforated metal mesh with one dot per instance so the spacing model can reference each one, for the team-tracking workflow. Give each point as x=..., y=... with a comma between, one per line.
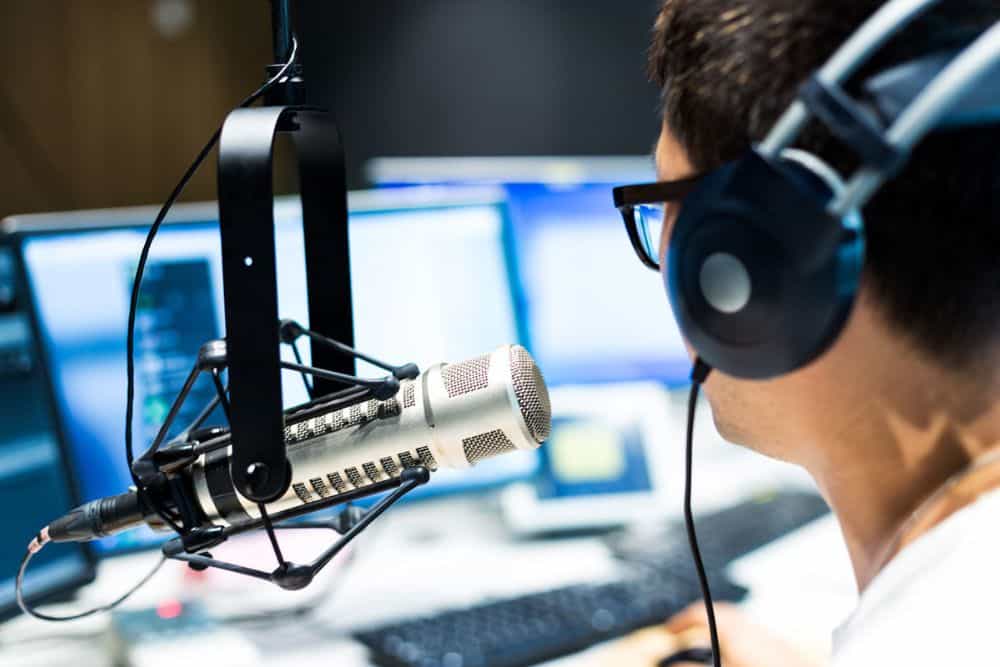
x=486, y=445
x=409, y=395
x=371, y=471
x=330, y=422
x=321, y=424
x=427, y=459
x=390, y=408
x=320, y=487
x=339, y=419
x=467, y=376
x=406, y=460
x=337, y=482
x=354, y=476
x=532, y=394
x=303, y=430
x=302, y=492
x=355, y=414
x=389, y=466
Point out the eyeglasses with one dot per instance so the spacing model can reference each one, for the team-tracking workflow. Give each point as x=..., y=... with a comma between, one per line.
x=642, y=208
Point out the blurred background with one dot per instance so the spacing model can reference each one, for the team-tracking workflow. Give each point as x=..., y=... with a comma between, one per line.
x=483, y=138
x=108, y=101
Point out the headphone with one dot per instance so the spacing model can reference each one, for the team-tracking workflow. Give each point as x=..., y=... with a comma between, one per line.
x=766, y=255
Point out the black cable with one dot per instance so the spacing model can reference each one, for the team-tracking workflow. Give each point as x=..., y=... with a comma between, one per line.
x=40, y=541
x=22, y=603
x=698, y=375
x=141, y=267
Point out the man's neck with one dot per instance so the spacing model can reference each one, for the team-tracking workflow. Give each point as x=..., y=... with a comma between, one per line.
x=906, y=428
x=872, y=546
x=872, y=505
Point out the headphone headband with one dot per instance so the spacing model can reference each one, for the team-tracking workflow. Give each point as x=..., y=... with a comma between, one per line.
x=871, y=36
x=945, y=91
x=765, y=258
x=924, y=94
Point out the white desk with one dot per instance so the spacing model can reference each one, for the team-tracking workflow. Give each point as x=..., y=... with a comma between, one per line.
x=426, y=557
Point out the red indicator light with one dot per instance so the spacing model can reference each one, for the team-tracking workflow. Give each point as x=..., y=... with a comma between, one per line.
x=169, y=609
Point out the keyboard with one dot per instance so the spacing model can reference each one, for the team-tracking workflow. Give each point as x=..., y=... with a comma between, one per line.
x=725, y=535
x=660, y=582
x=534, y=628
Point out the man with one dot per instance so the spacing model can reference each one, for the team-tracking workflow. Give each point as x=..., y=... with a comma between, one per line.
x=898, y=421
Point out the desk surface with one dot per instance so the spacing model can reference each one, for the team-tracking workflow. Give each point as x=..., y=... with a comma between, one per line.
x=434, y=555
x=423, y=558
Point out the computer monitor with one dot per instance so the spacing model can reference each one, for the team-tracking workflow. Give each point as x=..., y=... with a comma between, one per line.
x=606, y=463
x=35, y=485
x=431, y=281
x=594, y=313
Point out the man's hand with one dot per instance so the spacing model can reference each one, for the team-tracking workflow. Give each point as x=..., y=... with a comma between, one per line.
x=743, y=643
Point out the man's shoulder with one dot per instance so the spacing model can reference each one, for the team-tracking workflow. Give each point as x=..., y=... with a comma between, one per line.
x=935, y=603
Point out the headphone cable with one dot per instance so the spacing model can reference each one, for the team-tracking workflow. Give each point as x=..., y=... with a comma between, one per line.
x=699, y=373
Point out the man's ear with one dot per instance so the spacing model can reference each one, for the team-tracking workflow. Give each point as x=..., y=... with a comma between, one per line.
x=672, y=163
x=672, y=159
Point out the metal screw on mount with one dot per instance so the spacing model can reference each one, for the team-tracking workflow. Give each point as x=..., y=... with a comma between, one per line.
x=257, y=473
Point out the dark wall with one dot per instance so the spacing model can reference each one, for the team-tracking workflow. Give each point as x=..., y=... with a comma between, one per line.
x=100, y=106
x=481, y=77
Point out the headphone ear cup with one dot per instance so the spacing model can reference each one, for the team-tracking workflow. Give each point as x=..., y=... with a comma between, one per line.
x=761, y=279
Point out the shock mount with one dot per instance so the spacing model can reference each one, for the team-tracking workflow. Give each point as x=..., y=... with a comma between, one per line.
x=250, y=395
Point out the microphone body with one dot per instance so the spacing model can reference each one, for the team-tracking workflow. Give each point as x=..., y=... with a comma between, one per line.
x=451, y=415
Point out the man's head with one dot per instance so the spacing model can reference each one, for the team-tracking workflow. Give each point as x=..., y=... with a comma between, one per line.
x=727, y=69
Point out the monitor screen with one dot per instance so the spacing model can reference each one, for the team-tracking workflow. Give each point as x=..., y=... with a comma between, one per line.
x=35, y=486
x=588, y=455
x=594, y=313
x=430, y=282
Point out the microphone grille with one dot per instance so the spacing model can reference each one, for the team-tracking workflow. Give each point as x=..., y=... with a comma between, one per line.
x=531, y=392
x=467, y=376
x=486, y=446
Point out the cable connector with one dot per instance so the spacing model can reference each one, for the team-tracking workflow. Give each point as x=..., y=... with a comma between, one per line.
x=39, y=541
x=95, y=519
x=700, y=371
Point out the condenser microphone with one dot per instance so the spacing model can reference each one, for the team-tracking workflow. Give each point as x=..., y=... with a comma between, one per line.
x=451, y=416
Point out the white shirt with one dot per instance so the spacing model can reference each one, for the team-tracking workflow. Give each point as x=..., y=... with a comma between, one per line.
x=937, y=603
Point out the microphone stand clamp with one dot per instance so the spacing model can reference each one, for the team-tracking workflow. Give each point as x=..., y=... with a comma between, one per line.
x=251, y=356
x=158, y=467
